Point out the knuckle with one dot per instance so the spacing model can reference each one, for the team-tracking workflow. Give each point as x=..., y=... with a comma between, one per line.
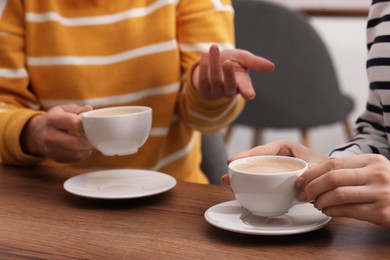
x=380, y=176
x=379, y=171
x=339, y=195
x=333, y=179
x=382, y=212
x=334, y=164
x=376, y=158
x=50, y=118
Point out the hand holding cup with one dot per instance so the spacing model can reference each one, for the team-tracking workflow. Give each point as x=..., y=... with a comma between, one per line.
x=118, y=130
x=265, y=185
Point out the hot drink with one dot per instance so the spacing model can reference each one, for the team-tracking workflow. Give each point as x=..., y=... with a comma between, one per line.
x=265, y=185
x=269, y=166
x=118, y=130
x=114, y=112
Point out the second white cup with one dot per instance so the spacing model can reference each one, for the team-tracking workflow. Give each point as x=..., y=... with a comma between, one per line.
x=265, y=185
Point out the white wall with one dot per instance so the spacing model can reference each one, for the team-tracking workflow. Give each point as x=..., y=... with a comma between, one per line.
x=345, y=38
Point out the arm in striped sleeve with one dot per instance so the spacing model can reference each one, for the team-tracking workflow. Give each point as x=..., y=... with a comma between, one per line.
x=373, y=126
x=201, y=24
x=17, y=103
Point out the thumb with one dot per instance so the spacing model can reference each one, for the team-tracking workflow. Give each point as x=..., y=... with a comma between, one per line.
x=254, y=62
x=76, y=109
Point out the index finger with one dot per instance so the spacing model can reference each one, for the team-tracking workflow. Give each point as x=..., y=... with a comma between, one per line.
x=331, y=165
x=66, y=117
x=75, y=109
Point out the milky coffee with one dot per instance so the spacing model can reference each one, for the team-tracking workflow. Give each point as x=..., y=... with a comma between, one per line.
x=114, y=112
x=268, y=166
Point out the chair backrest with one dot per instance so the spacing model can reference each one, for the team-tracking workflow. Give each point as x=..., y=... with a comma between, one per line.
x=214, y=157
x=303, y=91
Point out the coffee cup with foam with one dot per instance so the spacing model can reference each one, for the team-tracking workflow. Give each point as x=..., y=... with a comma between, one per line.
x=118, y=130
x=265, y=185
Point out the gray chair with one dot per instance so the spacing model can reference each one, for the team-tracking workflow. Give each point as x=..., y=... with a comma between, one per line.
x=214, y=157
x=303, y=92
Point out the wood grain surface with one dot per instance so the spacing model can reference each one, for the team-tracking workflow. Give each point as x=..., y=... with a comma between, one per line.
x=40, y=220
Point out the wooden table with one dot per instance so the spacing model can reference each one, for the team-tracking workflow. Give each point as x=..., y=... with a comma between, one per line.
x=40, y=220
x=344, y=8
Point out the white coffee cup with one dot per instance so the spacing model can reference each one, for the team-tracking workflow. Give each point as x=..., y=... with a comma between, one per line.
x=117, y=130
x=265, y=185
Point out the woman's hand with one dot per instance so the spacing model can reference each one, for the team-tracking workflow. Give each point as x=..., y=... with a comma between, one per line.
x=286, y=148
x=225, y=74
x=54, y=135
x=354, y=187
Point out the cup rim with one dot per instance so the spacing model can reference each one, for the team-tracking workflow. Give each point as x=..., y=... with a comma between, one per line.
x=89, y=114
x=235, y=162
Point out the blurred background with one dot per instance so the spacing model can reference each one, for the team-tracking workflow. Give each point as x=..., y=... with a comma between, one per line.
x=341, y=24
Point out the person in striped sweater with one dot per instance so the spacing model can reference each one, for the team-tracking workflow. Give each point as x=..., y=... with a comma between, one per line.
x=354, y=181
x=59, y=58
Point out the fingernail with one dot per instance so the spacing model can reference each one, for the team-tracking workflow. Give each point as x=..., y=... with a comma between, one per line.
x=225, y=179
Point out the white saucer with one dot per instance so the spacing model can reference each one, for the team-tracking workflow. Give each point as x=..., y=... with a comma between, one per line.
x=231, y=216
x=119, y=184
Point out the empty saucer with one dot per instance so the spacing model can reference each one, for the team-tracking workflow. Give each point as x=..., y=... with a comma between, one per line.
x=119, y=184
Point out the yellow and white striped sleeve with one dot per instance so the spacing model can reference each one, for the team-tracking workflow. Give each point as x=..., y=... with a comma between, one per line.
x=201, y=24
x=17, y=103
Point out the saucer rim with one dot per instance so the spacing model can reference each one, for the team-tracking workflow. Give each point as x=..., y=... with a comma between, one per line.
x=266, y=232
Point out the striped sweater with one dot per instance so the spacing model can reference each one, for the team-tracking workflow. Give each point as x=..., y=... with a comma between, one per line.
x=373, y=126
x=111, y=53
